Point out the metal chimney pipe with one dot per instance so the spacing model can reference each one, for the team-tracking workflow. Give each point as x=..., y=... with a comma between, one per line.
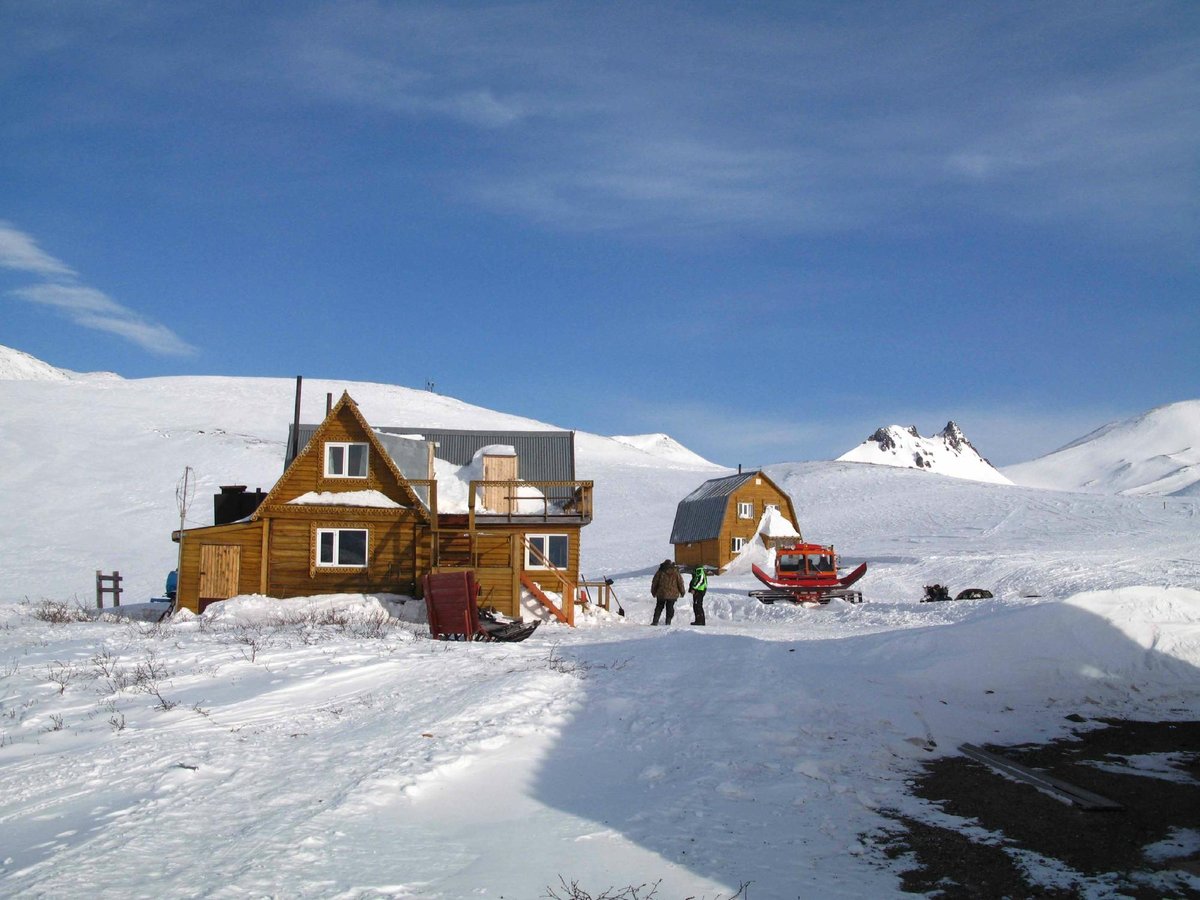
x=296, y=420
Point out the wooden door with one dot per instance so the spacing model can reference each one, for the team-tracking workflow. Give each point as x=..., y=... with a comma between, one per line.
x=219, y=568
x=499, y=468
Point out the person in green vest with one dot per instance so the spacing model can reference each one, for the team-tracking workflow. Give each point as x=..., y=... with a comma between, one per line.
x=697, y=587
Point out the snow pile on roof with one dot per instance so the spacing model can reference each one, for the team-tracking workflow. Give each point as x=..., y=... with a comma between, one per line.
x=1156, y=453
x=948, y=453
x=454, y=484
x=775, y=524
x=374, y=499
x=495, y=450
x=772, y=524
x=664, y=447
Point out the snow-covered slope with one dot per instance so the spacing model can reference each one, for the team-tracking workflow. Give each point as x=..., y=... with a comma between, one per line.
x=947, y=453
x=16, y=365
x=325, y=747
x=89, y=467
x=665, y=448
x=1156, y=453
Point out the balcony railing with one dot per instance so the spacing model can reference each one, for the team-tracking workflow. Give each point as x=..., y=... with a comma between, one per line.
x=530, y=501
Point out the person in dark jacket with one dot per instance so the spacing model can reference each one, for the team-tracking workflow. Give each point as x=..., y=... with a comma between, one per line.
x=666, y=587
x=698, y=587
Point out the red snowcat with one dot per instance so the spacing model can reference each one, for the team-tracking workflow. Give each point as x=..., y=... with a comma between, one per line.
x=807, y=574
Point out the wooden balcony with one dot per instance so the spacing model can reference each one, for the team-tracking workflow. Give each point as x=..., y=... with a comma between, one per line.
x=529, y=503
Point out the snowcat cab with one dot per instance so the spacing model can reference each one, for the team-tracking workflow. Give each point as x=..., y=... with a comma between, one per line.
x=807, y=574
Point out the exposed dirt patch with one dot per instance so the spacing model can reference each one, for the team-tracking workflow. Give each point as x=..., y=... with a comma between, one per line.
x=987, y=835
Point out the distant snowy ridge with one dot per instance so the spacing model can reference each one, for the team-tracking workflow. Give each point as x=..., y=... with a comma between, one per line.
x=664, y=447
x=1156, y=453
x=16, y=365
x=948, y=453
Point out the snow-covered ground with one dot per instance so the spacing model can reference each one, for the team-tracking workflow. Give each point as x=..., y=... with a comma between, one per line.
x=326, y=748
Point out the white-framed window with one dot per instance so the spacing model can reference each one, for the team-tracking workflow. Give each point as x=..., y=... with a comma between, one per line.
x=342, y=547
x=745, y=511
x=737, y=544
x=554, y=547
x=344, y=460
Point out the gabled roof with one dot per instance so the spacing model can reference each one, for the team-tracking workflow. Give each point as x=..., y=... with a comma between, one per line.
x=544, y=455
x=378, y=452
x=700, y=514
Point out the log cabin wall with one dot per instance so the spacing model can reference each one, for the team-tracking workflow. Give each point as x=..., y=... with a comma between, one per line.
x=697, y=553
x=499, y=561
x=307, y=472
x=247, y=537
x=397, y=552
x=759, y=493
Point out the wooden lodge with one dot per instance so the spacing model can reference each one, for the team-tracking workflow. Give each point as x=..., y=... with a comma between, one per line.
x=716, y=520
x=356, y=511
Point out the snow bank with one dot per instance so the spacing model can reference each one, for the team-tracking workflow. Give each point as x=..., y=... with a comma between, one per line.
x=1099, y=640
x=257, y=610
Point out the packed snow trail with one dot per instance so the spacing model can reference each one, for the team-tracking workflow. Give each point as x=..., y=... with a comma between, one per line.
x=306, y=760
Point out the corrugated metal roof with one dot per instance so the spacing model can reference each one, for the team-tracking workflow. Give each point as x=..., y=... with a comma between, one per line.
x=699, y=515
x=543, y=455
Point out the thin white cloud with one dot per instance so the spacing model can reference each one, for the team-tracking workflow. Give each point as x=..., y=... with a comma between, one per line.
x=670, y=120
x=20, y=252
x=84, y=306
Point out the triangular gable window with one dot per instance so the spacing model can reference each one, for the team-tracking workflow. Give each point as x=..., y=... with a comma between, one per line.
x=345, y=460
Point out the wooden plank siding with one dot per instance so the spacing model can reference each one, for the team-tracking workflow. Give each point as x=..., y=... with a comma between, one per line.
x=246, y=536
x=499, y=560
x=275, y=551
x=307, y=472
x=397, y=551
x=698, y=553
x=760, y=493
x=717, y=552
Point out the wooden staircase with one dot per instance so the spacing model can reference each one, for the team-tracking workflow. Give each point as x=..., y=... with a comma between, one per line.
x=566, y=589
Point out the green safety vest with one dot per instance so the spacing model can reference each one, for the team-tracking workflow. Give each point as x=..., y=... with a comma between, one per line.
x=699, y=580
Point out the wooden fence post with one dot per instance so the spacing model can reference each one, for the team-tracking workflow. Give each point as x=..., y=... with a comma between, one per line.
x=114, y=588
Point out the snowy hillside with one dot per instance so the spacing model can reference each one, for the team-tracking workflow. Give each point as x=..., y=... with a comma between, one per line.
x=665, y=448
x=325, y=747
x=1156, y=453
x=947, y=453
x=18, y=366
x=99, y=492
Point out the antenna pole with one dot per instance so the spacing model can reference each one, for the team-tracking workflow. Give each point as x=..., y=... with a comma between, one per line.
x=183, y=495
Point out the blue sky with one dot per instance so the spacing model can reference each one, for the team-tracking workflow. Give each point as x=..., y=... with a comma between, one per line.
x=766, y=229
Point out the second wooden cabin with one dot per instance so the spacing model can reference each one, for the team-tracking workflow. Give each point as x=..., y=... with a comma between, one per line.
x=714, y=522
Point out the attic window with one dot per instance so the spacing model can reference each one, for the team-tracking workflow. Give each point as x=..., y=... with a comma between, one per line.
x=345, y=460
x=745, y=511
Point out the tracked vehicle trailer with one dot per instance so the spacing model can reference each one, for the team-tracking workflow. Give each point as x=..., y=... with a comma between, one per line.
x=807, y=575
